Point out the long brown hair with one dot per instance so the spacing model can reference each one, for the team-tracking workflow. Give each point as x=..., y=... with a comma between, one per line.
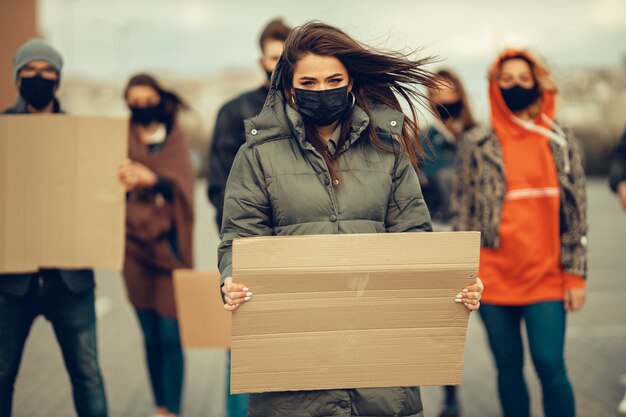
x=172, y=102
x=377, y=76
x=449, y=79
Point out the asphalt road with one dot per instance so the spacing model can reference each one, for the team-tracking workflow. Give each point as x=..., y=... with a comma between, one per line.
x=596, y=341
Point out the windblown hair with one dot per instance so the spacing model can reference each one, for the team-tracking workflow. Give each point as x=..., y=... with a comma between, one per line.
x=377, y=76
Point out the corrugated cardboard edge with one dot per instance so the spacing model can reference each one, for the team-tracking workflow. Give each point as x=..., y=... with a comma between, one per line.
x=40, y=244
x=239, y=383
x=203, y=321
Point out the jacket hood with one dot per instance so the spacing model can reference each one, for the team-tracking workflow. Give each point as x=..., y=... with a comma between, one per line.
x=501, y=116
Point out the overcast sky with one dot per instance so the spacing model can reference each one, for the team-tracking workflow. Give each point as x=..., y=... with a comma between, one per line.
x=114, y=38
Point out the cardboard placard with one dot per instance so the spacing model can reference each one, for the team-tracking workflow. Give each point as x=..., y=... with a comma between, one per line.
x=204, y=323
x=351, y=311
x=61, y=203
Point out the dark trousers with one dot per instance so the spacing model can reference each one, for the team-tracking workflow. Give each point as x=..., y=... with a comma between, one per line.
x=73, y=319
x=236, y=404
x=545, y=327
x=164, y=355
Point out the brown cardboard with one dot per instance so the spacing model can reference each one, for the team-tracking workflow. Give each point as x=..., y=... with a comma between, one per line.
x=351, y=311
x=61, y=203
x=204, y=323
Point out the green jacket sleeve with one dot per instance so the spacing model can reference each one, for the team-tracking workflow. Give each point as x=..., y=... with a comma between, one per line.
x=247, y=209
x=406, y=210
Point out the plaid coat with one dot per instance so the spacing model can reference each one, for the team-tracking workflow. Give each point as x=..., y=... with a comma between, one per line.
x=481, y=187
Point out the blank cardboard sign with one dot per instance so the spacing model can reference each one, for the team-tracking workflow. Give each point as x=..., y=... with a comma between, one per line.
x=204, y=323
x=351, y=311
x=61, y=203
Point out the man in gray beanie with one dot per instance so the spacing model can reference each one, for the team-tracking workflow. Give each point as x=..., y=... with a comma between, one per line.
x=37, y=74
x=65, y=297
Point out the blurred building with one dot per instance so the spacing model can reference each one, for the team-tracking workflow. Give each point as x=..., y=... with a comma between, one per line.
x=593, y=104
x=18, y=23
x=592, y=100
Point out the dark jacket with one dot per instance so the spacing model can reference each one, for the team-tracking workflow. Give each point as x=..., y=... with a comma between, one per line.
x=481, y=187
x=437, y=172
x=617, y=169
x=280, y=185
x=228, y=137
x=77, y=281
x=159, y=231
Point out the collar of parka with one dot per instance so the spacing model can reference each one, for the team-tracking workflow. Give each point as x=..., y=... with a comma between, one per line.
x=279, y=119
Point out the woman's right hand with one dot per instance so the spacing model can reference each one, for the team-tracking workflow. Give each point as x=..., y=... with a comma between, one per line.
x=126, y=175
x=133, y=174
x=234, y=294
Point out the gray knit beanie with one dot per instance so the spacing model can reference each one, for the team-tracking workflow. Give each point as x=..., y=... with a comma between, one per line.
x=36, y=50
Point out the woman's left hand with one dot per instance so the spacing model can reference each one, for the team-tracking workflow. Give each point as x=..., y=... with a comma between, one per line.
x=471, y=295
x=574, y=299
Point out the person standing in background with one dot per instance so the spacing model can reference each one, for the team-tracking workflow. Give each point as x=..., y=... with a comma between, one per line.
x=160, y=180
x=450, y=104
x=617, y=182
x=522, y=185
x=65, y=297
x=228, y=136
x=617, y=171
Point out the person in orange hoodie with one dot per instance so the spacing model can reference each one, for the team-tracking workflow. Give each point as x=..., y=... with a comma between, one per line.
x=521, y=183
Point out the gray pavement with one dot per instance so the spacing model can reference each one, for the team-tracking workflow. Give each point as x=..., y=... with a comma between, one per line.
x=596, y=341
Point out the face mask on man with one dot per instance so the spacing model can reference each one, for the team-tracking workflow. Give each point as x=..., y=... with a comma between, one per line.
x=147, y=115
x=449, y=110
x=37, y=91
x=323, y=107
x=517, y=98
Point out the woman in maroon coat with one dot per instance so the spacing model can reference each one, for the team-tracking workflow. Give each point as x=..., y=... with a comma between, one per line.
x=159, y=220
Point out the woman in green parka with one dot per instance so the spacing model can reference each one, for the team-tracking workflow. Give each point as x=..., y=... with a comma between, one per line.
x=331, y=152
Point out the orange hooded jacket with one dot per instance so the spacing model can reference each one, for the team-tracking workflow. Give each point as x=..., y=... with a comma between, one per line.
x=526, y=268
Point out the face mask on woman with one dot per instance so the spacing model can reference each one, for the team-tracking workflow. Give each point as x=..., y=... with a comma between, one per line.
x=518, y=98
x=146, y=115
x=37, y=91
x=449, y=110
x=322, y=107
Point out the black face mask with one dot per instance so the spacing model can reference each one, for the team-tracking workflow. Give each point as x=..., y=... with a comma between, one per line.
x=37, y=91
x=518, y=98
x=449, y=110
x=146, y=115
x=323, y=107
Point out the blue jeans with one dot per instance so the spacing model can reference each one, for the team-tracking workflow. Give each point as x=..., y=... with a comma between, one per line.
x=545, y=327
x=237, y=404
x=164, y=355
x=74, y=321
